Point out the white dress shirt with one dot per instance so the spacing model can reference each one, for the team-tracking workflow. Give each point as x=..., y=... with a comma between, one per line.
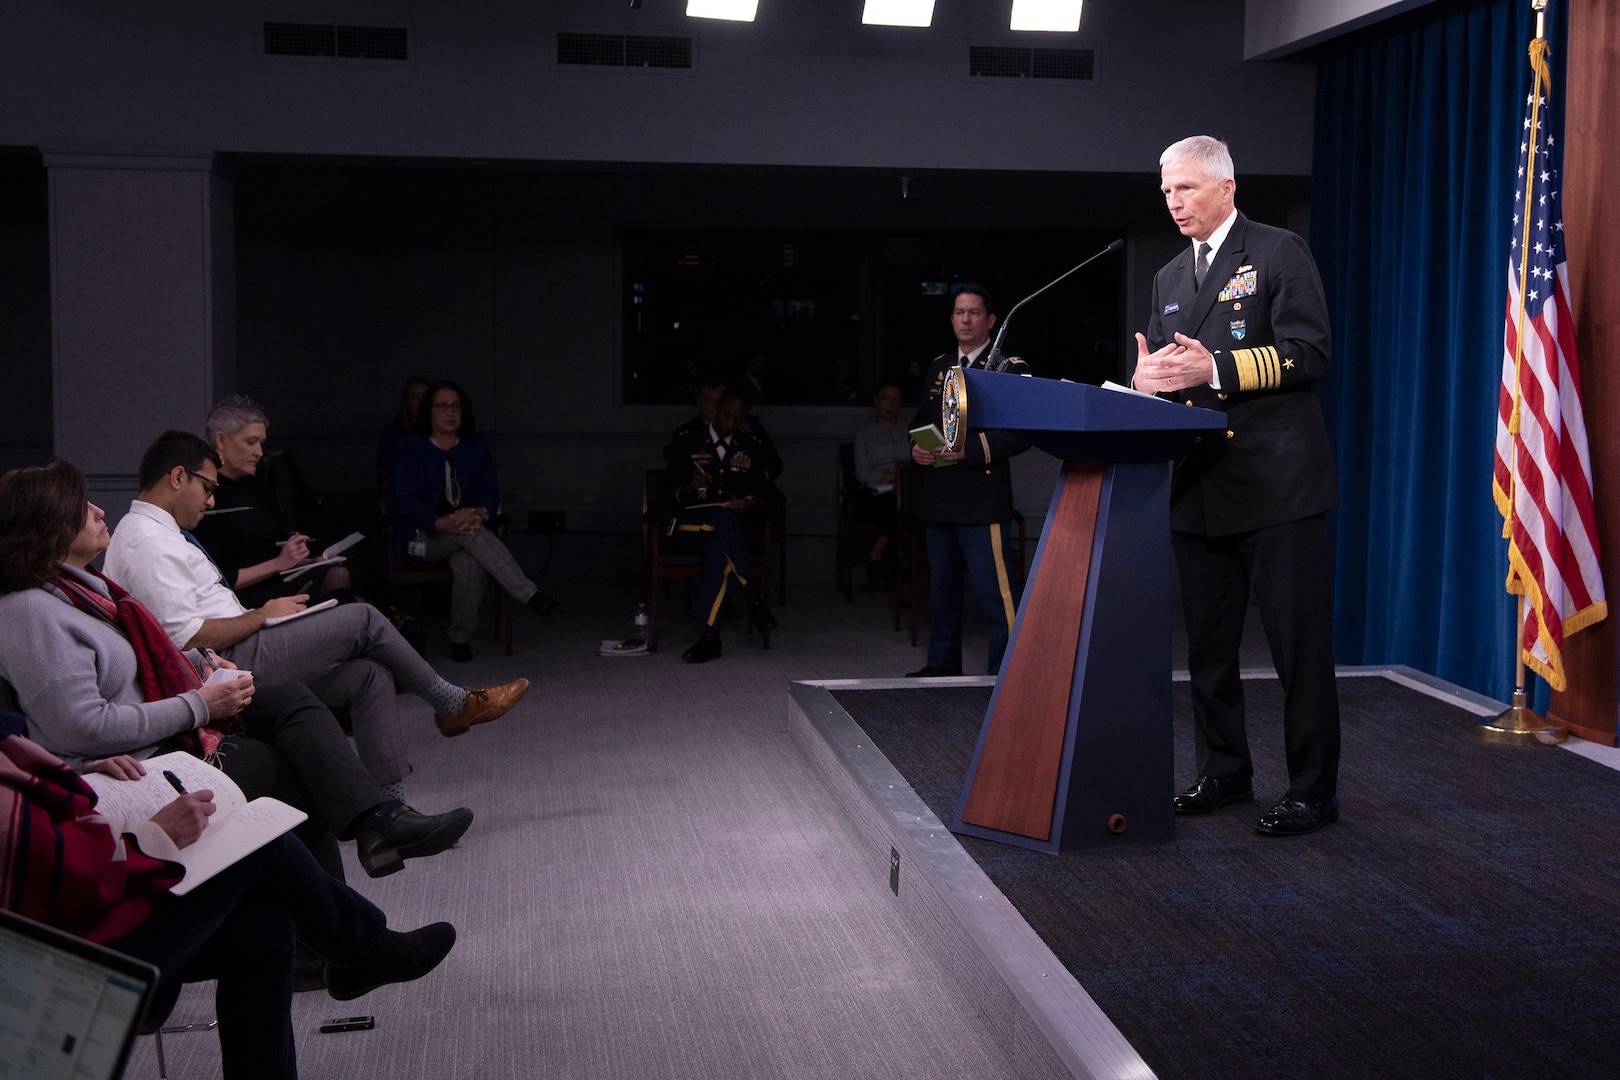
x=1216, y=239
x=168, y=573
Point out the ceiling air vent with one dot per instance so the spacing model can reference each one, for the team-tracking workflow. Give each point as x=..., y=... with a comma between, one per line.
x=328, y=41
x=1003, y=62
x=624, y=50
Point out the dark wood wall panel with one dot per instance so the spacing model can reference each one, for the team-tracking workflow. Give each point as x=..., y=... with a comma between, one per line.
x=1592, y=234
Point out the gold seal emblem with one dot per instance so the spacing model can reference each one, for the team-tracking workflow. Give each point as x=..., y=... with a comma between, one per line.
x=953, y=408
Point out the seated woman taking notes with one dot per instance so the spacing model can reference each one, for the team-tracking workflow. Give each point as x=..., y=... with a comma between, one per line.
x=249, y=534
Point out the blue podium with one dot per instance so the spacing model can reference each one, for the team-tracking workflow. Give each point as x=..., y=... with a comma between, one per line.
x=1075, y=751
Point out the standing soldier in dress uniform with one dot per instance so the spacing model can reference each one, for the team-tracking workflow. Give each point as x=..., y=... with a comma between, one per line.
x=965, y=501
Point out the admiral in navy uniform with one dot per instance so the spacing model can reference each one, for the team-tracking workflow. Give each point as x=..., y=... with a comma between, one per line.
x=965, y=506
x=720, y=491
x=1240, y=325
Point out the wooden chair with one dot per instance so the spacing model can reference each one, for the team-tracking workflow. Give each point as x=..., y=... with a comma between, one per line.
x=662, y=566
x=400, y=573
x=910, y=551
x=854, y=534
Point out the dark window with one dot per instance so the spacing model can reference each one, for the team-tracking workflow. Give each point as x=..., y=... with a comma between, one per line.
x=822, y=316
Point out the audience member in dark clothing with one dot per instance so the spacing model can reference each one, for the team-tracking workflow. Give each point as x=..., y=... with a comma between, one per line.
x=108, y=882
x=250, y=534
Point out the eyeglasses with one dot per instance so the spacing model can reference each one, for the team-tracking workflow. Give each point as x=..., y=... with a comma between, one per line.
x=209, y=486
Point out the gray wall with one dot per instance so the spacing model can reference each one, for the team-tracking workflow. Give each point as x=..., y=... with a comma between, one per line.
x=462, y=215
x=805, y=85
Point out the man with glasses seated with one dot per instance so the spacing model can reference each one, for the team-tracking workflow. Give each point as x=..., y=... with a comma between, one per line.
x=349, y=655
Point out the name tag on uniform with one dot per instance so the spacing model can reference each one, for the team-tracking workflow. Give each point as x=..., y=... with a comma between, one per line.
x=1171, y=308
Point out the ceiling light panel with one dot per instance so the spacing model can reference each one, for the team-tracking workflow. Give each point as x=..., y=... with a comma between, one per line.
x=898, y=13
x=1059, y=15
x=734, y=10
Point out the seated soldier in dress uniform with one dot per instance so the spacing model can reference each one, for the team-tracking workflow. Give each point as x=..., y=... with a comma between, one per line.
x=720, y=492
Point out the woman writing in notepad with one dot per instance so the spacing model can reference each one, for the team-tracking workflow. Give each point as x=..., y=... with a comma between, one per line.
x=249, y=533
x=108, y=882
x=97, y=676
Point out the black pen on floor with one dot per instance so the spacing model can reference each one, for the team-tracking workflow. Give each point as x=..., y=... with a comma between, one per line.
x=174, y=781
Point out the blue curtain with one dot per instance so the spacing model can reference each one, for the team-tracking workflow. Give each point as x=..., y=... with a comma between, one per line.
x=1418, y=124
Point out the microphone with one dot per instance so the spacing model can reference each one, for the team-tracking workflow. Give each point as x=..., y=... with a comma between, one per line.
x=994, y=361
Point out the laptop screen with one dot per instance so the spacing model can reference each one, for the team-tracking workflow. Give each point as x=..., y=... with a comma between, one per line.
x=68, y=1009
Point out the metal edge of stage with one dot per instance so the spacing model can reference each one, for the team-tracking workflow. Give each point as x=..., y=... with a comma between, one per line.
x=1038, y=1013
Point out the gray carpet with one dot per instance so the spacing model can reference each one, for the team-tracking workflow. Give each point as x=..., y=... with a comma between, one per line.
x=656, y=885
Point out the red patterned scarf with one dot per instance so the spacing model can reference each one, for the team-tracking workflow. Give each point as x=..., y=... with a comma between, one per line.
x=163, y=670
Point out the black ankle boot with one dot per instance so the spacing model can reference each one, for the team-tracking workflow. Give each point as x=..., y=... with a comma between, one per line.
x=393, y=832
x=392, y=958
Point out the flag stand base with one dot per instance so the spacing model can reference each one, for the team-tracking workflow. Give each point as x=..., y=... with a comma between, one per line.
x=1521, y=726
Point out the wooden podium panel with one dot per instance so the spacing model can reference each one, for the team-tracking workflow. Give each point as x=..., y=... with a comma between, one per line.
x=1018, y=767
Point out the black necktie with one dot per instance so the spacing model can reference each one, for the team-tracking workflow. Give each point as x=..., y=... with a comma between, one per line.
x=1202, y=267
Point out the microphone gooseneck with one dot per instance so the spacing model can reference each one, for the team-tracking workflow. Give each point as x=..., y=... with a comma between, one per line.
x=993, y=360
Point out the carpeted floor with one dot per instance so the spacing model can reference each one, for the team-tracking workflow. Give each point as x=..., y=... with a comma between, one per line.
x=657, y=884
x=1459, y=920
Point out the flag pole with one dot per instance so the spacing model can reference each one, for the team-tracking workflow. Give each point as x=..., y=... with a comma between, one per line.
x=1520, y=725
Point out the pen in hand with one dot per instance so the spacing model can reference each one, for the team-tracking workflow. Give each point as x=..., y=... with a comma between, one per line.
x=174, y=781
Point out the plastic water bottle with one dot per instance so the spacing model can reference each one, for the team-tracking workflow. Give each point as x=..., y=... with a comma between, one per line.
x=640, y=635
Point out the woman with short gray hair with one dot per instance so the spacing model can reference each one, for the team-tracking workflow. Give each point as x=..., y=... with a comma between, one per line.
x=250, y=534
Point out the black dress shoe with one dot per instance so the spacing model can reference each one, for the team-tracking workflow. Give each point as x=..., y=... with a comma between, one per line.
x=704, y=649
x=762, y=615
x=930, y=672
x=392, y=958
x=393, y=832
x=1211, y=793
x=460, y=652
x=1291, y=817
x=541, y=604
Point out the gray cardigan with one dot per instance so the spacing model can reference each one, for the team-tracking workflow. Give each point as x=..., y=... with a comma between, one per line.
x=75, y=679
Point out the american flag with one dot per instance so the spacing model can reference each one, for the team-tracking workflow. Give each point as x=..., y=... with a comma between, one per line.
x=1543, y=475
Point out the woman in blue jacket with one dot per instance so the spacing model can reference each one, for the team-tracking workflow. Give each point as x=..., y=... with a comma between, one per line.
x=445, y=496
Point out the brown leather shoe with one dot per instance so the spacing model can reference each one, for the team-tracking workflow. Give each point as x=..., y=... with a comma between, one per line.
x=483, y=705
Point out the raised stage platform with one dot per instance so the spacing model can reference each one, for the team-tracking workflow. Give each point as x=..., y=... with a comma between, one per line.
x=1458, y=921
